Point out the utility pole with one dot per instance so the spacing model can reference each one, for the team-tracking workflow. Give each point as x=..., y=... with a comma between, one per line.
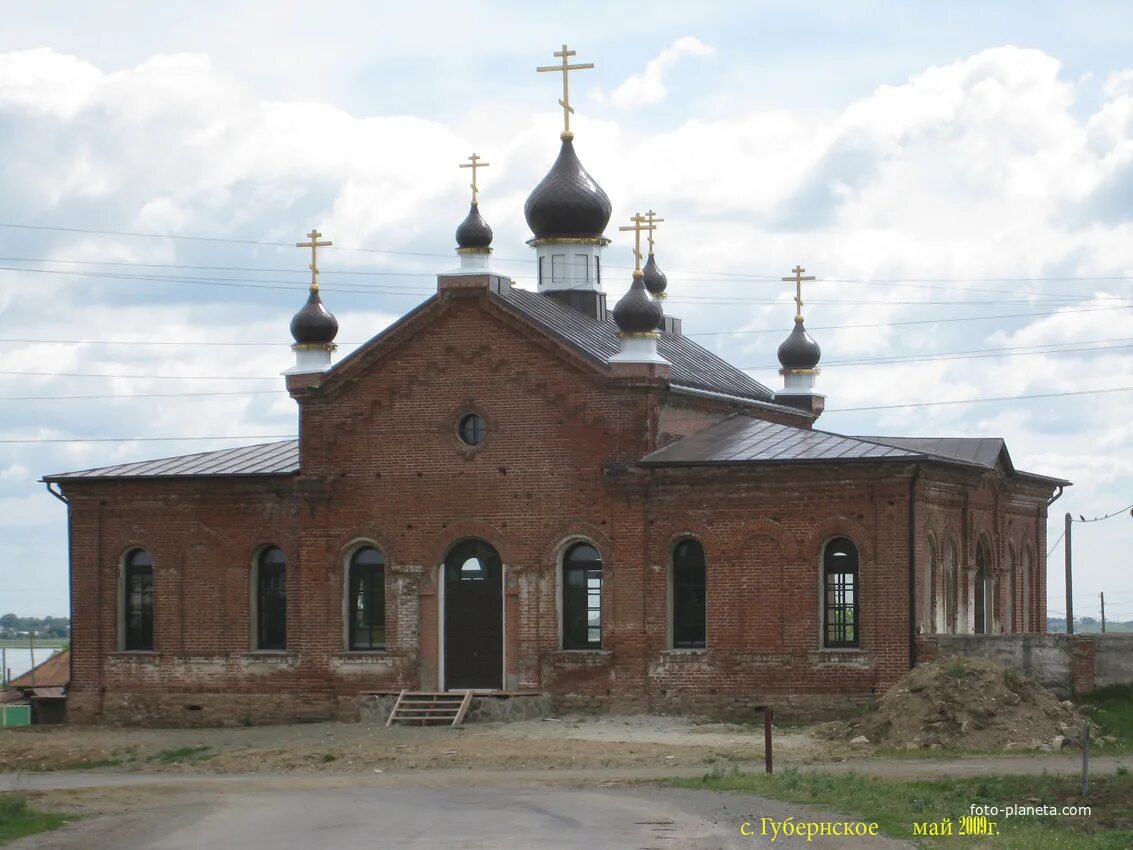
x=1069, y=580
x=1102, y=595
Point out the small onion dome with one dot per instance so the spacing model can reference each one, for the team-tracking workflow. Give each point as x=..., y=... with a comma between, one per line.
x=313, y=324
x=637, y=312
x=567, y=203
x=474, y=232
x=655, y=279
x=798, y=350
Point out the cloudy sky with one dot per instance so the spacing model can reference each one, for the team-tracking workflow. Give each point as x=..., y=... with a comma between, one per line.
x=959, y=176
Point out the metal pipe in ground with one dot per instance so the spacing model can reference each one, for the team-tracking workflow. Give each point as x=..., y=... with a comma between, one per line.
x=1085, y=757
x=767, y=738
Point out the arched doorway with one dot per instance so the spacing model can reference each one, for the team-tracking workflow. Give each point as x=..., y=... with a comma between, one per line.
x=473, y=617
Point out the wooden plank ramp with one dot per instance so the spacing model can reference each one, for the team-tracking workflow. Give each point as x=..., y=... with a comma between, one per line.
x=422, y=708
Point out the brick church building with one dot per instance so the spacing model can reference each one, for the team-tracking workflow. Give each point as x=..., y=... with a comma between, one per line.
x=527, y=491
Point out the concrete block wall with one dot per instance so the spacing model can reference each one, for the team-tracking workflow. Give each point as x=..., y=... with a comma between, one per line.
x=1067, y=664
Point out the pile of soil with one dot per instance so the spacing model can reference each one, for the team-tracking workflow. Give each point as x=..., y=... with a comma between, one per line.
x=969, y=703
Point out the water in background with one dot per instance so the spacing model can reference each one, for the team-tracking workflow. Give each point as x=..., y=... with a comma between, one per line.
x=19, y=658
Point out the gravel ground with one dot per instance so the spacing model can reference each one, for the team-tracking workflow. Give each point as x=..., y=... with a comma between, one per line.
x=568, y=742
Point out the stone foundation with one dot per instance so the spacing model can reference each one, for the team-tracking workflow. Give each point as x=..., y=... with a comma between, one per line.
x=199, y=709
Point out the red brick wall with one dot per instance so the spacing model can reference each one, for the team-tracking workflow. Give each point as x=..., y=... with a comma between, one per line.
x=382, y=463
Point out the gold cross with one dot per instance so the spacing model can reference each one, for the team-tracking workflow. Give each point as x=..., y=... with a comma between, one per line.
x=651, y=218
x=797, y=278
x=474, y=164
x=314, y=245
x=566, y=135
x=639, y=224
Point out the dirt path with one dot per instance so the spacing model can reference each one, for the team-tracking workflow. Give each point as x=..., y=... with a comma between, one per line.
x=608, y=747
x=639, y=741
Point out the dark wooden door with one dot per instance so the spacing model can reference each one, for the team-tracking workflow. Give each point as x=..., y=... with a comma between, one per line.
x=474, y=628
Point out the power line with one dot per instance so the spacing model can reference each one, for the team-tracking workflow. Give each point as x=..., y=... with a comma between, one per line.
x=919, y=321
x=978, y=400
x=1055, y=544
x=268, y=392
x=1052, y=298
x=1049, y=348
x=146, y=439
x=136, y=395
x=945, y=356
x=737, y=275
x=274, y=270
x=412, y=290
x=143, y=377
x=1082, y=519
x=236, y=283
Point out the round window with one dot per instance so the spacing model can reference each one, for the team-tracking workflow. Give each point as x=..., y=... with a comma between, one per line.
x=473, y=429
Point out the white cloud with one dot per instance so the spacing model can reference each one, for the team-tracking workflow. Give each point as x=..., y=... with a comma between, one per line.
x=986, y=167
x=648, y=86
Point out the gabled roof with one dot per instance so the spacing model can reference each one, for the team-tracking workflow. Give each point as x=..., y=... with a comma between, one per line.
x=55, y=672
x=265, y=459
x=744, y=439
x=982, y=452
x=692, y=365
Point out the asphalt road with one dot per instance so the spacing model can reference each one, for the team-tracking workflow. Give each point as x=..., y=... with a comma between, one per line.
x=301, y=816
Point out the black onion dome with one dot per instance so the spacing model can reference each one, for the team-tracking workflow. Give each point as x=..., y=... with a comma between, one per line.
x=798, y=350
x=636, y=312
x=655, y=279
x=313, y=324
x=474, y=232
x=567, y=203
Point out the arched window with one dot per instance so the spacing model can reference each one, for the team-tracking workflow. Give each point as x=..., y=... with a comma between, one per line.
x=950, y=587
x=840, y=594
x=137, y=605
x=929, y=599
x=366, y=612
x=582, y=598
x=271, y=599
x=690, y=614
x=981, y=591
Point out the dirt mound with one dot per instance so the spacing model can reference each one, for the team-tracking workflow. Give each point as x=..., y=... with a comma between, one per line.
x=969, y=703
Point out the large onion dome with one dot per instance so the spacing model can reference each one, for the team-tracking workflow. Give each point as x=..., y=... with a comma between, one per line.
x=798, y=350
x=567, y=203
x=637, y=312
x=313, y=324
x=655, y=279
x=474, y=232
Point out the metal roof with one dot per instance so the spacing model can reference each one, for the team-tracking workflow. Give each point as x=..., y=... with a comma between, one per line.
x=692, y=365
x=265, y=459
x=743, y=439
x=980, y=451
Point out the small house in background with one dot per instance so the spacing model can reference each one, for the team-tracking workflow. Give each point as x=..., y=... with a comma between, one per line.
x=43, y=688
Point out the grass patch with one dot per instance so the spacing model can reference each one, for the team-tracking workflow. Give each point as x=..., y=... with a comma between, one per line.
x=1114, y=712
x=17, y=820
x=92, y=764
x=956, y=670
x=896, y=805
x=180, y=755
x=953, y=753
